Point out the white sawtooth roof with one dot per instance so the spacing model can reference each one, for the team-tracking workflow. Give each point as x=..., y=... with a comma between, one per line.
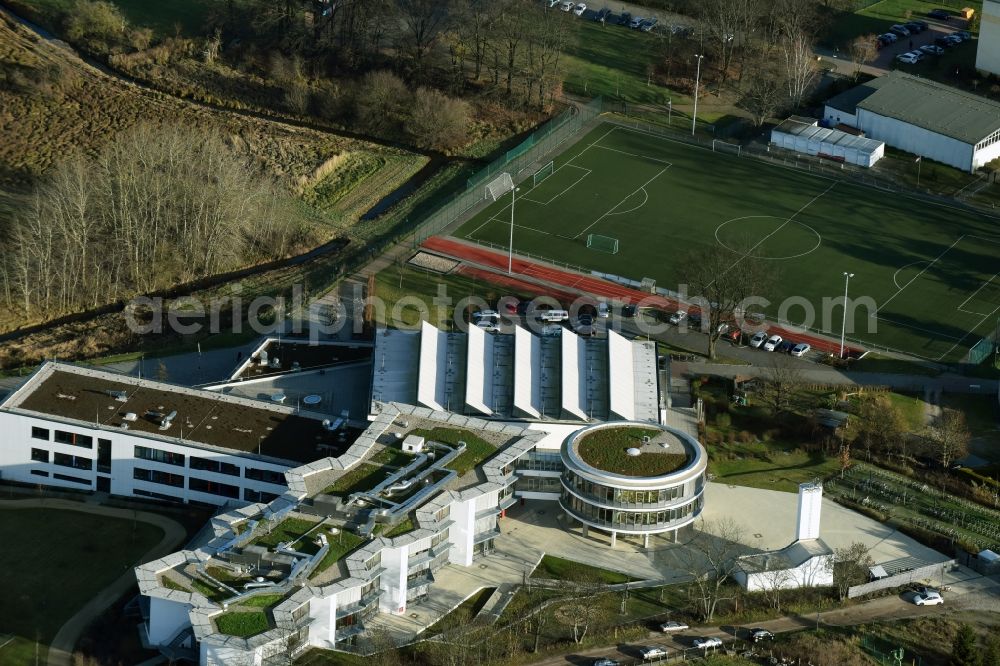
x=621, y=380
x=433, y=361
x=478, y=382
x=574, y=374
x=527, y=372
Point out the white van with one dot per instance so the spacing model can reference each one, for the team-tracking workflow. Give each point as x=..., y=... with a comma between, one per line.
x=486, y=315
x=553, y=315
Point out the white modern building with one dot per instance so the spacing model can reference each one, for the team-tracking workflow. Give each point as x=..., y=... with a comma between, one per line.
x=806, y=562
x=988, y=51
x=922, y=117
x=804, y=135
x=73, y=427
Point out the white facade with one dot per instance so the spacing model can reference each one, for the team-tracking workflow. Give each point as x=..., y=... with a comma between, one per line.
x=29, y=438
x=813, y=571
x=810, y=508
x=918, y=140
x=810, y=139
x=988, y=51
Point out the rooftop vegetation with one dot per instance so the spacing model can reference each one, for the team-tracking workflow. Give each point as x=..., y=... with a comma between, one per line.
x=340, y=544
x=476, y=449
x=240, y=623
x=287, y=531
x=606, y=449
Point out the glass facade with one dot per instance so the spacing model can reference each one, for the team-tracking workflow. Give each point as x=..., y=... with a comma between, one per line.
x=628, y=520
x=620, y=497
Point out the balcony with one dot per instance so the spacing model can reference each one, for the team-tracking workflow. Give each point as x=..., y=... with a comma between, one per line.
x=421, y=580
x=364, y=602
x=486, y=536
x=352, y=630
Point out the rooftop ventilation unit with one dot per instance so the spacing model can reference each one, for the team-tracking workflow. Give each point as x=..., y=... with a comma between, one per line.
x=167, y=420
x=130, y=416
x=120, y=396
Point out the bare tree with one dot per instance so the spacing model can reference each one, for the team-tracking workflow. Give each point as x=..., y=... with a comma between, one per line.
x=721, y=281
x=711, y=560
x=380, y=102
x=947, y=439
x=863, y=50
x=775, y=579
x=799, y=64
x=437, y=121
x=781, y=379
x=423, y=22
x=763, y=96
x=881, y=426
x=850, y=568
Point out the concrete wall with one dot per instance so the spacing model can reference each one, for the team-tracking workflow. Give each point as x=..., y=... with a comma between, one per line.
x=916, y=140
x=931, y=572
x=835, y=116
x=16, y=463
x=814, y=572
x=988, y=53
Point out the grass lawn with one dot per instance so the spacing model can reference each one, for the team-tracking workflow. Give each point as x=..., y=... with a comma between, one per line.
x=72, y=556
x=359, y=479
x=238, y=623
x=262, y=600
x=879, y=17
x=476, y=449
x=461, y=614
x=163, y=17
x=402, y=528
x=287, y=531
x=914, y=262
x=340, y=544
x=606, y=449
x=771, y=465
x=912, y=409
x=558, y=568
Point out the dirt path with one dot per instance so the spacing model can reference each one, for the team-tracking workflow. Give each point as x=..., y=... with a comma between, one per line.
x=61, y=647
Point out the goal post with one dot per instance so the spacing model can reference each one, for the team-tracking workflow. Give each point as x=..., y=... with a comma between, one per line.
x=543, y=173
x=602, y=243
x=720, y=146
x=499, y=186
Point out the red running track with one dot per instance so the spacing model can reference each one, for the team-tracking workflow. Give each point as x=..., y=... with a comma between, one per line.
x=584, y=283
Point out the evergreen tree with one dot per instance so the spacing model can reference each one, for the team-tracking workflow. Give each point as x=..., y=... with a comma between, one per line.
x=964, y=651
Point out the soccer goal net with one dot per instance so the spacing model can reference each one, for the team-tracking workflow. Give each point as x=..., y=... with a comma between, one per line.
x=720, y=146
x=542, y=174
x=499, y=186
x=602, y=243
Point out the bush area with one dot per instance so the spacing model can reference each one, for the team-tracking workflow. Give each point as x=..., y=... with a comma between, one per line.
x=243, y=624
x=287, y=531
x=358, y=479
x=557, y=568
x=476, y=449
x=340, y=544
x=606, y=449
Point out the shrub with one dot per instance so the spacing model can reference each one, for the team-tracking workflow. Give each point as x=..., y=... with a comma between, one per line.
x=95, y=20
x=723, y=420
x=436, y=121
x=379, y=103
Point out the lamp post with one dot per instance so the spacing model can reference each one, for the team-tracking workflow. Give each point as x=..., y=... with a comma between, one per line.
x=697, y=80
x=510, y=252
x=843, y=327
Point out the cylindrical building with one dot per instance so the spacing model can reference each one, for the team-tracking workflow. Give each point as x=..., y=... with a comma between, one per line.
x=634, y=478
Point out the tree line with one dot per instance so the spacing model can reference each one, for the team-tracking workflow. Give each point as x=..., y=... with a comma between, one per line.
x=158, y=206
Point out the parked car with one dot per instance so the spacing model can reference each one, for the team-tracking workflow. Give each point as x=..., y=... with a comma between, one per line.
x=800, y=349
x=914, y=27
x=553, y=3
x=931, y=49
x=487, y=325
x=908, y=58
x=629, y=311
x=636, y=22
x=940, y=14
x=486, y=315
x=758, y=339
x=670, y=626
x=580, y=9
x=677, y=317
x=965, y=35
x=512, y=306
x=624, y=18
x=927, y=591
x=772, y=343
x=652, y=652
x=567, y=6
x=705, y=643
x=603, y=310
x=930, y=599
x=891, y=37
x=757, y=635
x=605, y=661
x=733, y=335
x=944, y=41
x=603, y=15
x=551, y=329
x=898, y=29
x=785, y=346
x=694, y=320
x=648, y=24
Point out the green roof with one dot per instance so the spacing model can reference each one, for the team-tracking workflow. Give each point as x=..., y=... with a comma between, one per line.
x=933, y=106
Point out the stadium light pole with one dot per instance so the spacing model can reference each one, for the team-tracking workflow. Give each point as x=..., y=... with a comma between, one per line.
x=510, y=251
x=697, y=80
x=843, y=327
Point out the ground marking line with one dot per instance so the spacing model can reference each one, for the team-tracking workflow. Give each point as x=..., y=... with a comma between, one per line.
x=950, y=247
x=936, y=334
x=970, y=332
x=658, y=174
x=642, y=157
x=559, y=194
x=630, y=210
x=780, y=227
x=961, y=308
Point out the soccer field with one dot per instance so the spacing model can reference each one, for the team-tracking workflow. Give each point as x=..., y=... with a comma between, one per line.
x=931, y=271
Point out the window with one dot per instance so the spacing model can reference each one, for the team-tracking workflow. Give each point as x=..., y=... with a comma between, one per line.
x=149, y=493
x=104, y=456
x=156, y=476
x=63, y=437
x=265, y=475
x=39, y=472
x=258, y=496
x=40, y=433
x=213, y=465
x=71, y=479
x=39, y=455
x=213, y=488
x=76, y=462
x=156, y=455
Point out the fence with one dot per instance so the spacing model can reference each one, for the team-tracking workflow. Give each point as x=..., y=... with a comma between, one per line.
x=912, y=576
x=886, y=655
x=514, y=161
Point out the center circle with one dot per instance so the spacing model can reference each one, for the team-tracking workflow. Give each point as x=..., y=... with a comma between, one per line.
x=771, y=237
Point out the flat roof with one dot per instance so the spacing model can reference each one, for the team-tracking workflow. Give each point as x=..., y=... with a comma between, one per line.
x=88, y=396
x=813, y=132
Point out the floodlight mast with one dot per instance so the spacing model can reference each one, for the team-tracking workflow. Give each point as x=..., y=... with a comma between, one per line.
x=510, y=251
x=843, y=327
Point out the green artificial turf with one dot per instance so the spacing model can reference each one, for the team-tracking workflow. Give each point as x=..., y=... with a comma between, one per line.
x=925, y=268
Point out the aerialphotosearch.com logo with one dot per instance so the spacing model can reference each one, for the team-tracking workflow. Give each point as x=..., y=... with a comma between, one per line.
x=322, y=318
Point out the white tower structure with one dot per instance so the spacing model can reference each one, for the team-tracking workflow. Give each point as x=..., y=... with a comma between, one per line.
x=810, y=507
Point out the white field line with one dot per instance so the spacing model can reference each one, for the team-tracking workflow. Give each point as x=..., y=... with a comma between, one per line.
x=961, y=308
x=626, y=198
x=924, y=270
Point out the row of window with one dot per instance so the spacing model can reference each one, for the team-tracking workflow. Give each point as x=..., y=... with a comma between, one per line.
x=626, y=519
x=541, y=462
x=63, y=437
x=62, y=459
x=209, y=465
x=610, y=494
x=538, y=484
x=200, y=485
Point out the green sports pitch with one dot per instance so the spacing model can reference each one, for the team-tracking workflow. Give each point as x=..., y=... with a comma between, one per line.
x=931, y=272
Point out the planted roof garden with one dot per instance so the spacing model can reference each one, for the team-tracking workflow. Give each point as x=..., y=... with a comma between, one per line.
x=623, y=451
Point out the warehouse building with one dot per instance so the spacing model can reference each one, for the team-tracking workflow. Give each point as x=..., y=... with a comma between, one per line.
x=804, y=135
x=922, y=117
x=988, y=51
